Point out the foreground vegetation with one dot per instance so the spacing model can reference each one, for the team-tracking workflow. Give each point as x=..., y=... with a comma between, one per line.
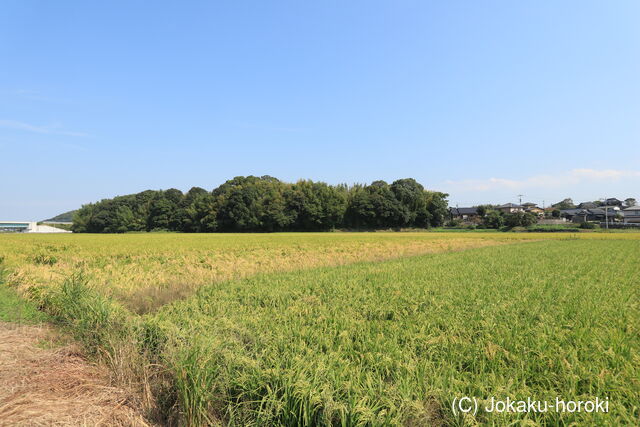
x=371, y=343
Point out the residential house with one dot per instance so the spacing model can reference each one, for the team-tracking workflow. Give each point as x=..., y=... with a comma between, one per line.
x=631, y=215
x=510, y=208
x=587, y=205
x=464, y=214
x=585, y=215
x=535, y=210
x=613, y=202
x=570, y=213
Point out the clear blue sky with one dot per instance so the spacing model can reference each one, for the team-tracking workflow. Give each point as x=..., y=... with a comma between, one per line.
x=484, y=100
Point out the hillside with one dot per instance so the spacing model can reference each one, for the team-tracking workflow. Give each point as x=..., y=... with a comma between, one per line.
x=63, y=217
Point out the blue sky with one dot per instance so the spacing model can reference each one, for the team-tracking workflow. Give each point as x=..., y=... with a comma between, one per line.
x=483, y=100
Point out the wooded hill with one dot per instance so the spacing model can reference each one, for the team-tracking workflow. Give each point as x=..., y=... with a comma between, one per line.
x=265, y=204
x=63, y=217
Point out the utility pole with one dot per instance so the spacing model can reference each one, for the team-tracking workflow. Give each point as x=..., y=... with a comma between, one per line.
x=520, y=198
x=606, y=214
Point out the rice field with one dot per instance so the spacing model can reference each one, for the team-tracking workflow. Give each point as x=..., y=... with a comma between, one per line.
x=145, y=271
x=350, y=329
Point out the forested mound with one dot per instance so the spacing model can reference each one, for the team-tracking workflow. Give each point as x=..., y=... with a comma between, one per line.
x=265, y=204
x=63, y=217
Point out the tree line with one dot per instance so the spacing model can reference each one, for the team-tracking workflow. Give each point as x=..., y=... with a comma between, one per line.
x=492, y=218
x=266, y=204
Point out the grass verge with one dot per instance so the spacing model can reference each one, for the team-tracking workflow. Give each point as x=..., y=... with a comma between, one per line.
x=13, y=308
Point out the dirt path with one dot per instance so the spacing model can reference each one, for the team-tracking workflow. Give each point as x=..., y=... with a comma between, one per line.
x=45, y=383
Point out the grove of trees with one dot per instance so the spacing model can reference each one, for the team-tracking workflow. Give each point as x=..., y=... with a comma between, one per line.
x=265, y=204
x=491, y=218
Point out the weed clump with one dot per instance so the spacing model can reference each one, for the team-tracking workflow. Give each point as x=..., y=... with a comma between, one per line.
x=44, y=259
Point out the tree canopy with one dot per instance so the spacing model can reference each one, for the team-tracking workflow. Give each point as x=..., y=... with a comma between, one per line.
x=266, y=204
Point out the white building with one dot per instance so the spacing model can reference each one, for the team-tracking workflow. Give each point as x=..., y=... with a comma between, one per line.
x=631, y=215
x=28, y=227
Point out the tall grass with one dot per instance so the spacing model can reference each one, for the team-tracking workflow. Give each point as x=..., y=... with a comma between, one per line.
x=12, y=307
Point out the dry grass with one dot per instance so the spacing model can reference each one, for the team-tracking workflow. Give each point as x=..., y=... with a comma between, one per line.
x=41, y=385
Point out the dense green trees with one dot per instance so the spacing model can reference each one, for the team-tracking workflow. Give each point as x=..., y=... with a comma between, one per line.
x=264, y=204
x=497, y=219
x=493, y=219
x=316, y=206
x=520, y=219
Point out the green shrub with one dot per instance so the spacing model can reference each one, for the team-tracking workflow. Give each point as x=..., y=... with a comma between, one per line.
x=587, y=225
x=493, y=219
x=44, y=259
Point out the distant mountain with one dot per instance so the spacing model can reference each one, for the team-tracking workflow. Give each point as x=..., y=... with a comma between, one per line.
x=63, y=217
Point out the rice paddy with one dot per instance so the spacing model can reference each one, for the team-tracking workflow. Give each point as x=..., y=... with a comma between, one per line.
x=145, y=271
x=351, y=328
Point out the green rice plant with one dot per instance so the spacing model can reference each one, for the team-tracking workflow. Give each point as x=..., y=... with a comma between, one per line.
x=44, y=259
x=394, y=342
x=194, y=371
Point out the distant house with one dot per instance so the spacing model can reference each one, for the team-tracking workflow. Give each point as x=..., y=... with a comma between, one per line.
x=585, y=215
x=529, y=205
x=570, y=213
x=631, y=215
x=613, y=202
x=464, y=214
x=510, y=208
x=534, y=210
x=587, y=205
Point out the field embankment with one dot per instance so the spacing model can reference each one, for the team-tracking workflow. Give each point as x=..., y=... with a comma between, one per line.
x=44, y=382
x=45, y=379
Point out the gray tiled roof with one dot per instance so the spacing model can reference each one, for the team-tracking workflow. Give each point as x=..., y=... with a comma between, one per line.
x=463, y=211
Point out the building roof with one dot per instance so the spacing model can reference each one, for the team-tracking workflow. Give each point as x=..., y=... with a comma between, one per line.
x=570, y=211
x=632, y=208
x=463, y=211
x=596, y=211
x=530, y=205
x=612, y=201
x=509, y=205
x=587, y=205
